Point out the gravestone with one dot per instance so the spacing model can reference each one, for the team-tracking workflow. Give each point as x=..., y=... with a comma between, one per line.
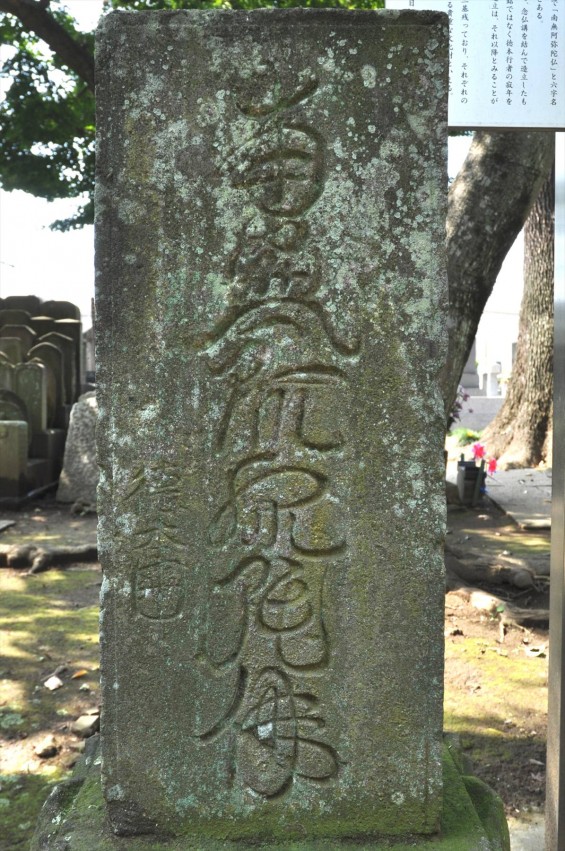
x=61, y=309
x=13, y=458
x=31, y=387
x=43, y=324
x=12, y=407
x=13, y=349
x=22, y=332
x=52, y=356
x=29, y=303
x=272, y=509
x=79, y=476
x=6, y=374
x=14, y=316
x=270, y=329
x=68, y=350
x=73, y=328
x=51, y=389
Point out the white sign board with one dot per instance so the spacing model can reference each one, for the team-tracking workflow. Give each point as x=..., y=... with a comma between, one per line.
x=506, y=61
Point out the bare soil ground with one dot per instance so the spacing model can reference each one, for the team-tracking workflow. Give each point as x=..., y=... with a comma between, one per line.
x=495, y=681
x=496, y=666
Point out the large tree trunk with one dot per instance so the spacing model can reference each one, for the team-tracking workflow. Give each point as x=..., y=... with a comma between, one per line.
x=488, y=204
x=518, y=434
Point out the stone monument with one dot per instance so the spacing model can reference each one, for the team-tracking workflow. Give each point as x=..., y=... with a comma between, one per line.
x=271, y=207
x=41, y=364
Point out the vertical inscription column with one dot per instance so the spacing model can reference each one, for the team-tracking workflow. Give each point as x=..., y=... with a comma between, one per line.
x=271, y=296
x=282, y=371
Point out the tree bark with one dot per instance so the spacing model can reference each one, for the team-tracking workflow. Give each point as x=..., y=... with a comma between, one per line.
x=518, y=434
x=488, y=204
x=35, y=16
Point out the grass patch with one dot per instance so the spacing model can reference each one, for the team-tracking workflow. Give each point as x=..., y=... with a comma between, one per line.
x=48, y=622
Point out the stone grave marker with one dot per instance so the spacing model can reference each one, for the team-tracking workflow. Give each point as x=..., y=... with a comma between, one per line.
x=30, y=303
x=61, y=310
x=14, y=316
x=51, y=389
x=68, y=350
x=23, y=332
x=14, y=409
x=79, y=476
x=73, y=328
x=13, y=458
x=43, y=324
x=6, y=374
x=13, y=349
x=271, y=204
x=31, y=387
x=52, y=356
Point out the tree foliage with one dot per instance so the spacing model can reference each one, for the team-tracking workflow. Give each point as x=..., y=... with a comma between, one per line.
x=47, y=114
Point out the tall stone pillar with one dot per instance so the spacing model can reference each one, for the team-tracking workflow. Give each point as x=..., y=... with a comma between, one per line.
x=271, y=295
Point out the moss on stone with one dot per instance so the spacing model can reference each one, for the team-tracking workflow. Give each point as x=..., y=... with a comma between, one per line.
x=472, y=820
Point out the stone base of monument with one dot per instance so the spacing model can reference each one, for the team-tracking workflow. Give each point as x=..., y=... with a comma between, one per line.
x=74, y=819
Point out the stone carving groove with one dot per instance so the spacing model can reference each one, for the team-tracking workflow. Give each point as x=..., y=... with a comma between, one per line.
x=283, y=367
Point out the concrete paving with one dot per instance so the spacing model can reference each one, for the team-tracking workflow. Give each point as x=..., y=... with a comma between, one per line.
x=523, y=494
x=527, y=836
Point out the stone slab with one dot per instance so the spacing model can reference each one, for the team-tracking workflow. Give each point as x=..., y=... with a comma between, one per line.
x=29, y=303
x=12, y=348
x=79, y=477
x=50, y=444
x=472, y=819
x=13, y=458
x=271, y=223
x=30, y=381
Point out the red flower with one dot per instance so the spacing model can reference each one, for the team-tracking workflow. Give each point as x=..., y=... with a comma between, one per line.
x=478, y=451
x=491, y=466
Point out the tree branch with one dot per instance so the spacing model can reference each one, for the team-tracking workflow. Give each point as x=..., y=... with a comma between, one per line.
x=36, y=17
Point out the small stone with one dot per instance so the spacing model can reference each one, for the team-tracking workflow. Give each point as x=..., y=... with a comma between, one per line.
x=53, y=683
x=46, y=748
x=70, y=760
x=86, y=725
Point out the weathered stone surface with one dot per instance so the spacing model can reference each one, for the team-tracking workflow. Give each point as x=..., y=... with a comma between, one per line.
x=6, y=374
x=73, y=328
x=61, y=309
x=271, y=323
x=52, y=357
x=79, y=477
x=74, y=818
x=13, y=458
x=12, y=348
x=68, y=348
x=12, y=406
x=14, y=316
x=30, y=380
x=29, y=303
x=43, y=324
x=21, y=332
